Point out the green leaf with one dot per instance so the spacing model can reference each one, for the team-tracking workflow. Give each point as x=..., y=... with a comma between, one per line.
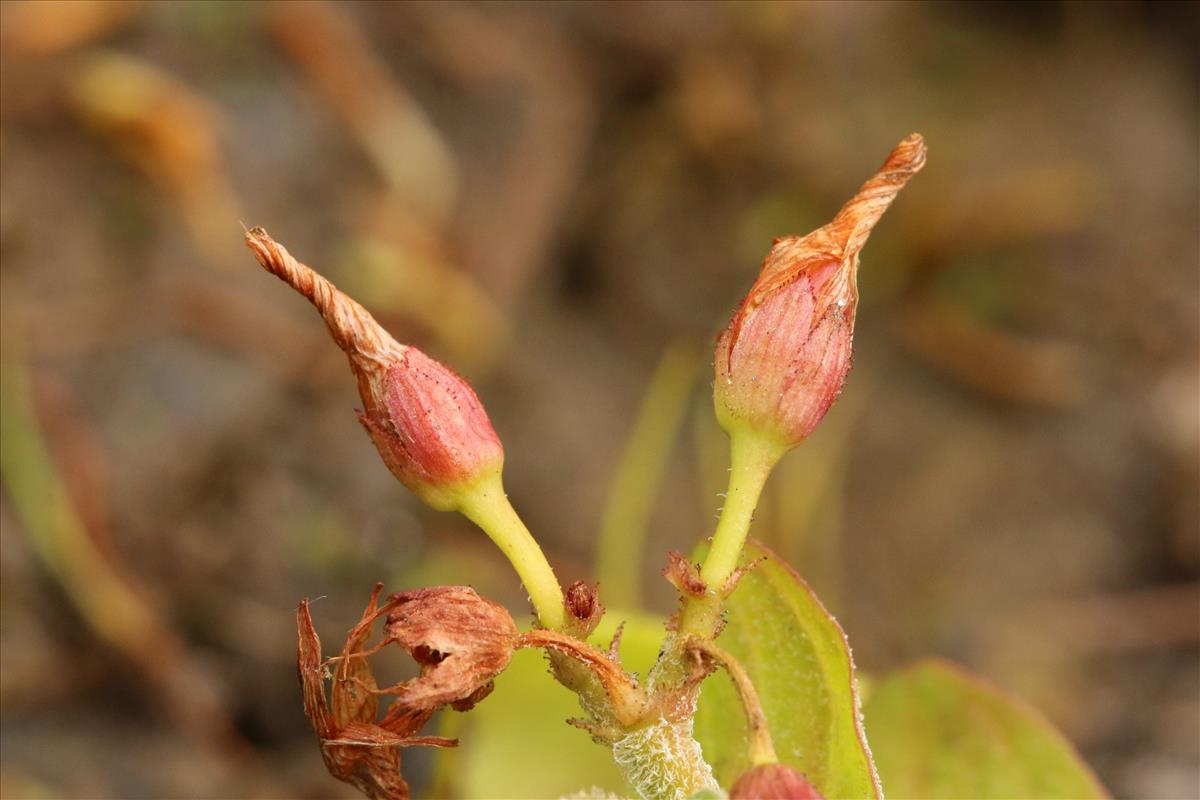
x=800, y=664
x=516, y=743
x=941, y=733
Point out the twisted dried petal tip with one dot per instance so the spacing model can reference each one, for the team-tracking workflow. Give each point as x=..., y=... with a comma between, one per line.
x=353, y=328
x=426, y=422
x=783, y=359
x=859, y=215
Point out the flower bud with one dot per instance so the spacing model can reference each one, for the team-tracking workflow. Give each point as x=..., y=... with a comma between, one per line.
x=425, y=420
x=431, y=429
x=773, y=782
x=784, y=357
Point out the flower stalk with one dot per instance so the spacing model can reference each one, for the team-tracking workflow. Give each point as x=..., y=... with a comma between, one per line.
x=760, y=747
x=782, y=361
x=752, y=457
x=780, y=365
x=427, y=423
x=489, y=508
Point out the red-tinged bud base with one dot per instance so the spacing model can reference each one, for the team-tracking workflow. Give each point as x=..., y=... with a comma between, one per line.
x=773, y=782
x=431, y=429
x=783, y=360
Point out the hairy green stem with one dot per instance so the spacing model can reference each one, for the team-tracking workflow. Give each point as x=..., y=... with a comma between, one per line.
x=752, y=456
x=489, y=508
x=760, y=748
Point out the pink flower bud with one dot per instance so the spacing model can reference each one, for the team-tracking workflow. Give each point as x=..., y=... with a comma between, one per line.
x=773, y=782
x=425, y=420
x=430, y=428
x=784, y=357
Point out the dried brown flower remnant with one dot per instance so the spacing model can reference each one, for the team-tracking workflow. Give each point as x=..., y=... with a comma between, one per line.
x=426, y=421
x=461, y=641
x=356, y=748
x=773, y=782
x=783, y=359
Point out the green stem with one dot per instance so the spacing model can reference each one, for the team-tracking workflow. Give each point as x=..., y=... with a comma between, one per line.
x=752, y=457
x=759, y=747
x=488, y=507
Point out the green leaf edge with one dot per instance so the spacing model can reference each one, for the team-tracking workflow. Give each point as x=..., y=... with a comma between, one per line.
x=748, y=554
x=1036, y=717
x=860, y=731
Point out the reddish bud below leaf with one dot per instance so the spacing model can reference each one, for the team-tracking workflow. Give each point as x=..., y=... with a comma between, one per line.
x=784, y=357
x=425, y=420
x=773, y=782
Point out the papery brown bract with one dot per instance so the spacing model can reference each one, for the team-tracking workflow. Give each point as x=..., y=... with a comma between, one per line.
x=461, y=641
x=684, y=575
x=784, y=357
x=773, y=782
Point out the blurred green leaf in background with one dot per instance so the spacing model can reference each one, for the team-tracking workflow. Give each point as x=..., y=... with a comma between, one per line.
x=938, y=732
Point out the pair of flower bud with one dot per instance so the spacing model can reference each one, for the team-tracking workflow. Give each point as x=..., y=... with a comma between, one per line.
x=779, y=366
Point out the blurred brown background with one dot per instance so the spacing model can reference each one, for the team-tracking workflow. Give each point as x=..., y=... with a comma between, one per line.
x=550, y=197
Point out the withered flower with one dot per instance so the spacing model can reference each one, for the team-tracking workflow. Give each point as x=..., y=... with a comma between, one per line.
x=784, y=357
x=426, y=421
x=461, y=642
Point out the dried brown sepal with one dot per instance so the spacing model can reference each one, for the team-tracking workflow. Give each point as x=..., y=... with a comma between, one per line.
x=461, y=641
x=362, y=735
x=312, y=674
x=738, y=574
x=684, y=575
x=354, y=699
x=626, y=702
x=583, y=607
